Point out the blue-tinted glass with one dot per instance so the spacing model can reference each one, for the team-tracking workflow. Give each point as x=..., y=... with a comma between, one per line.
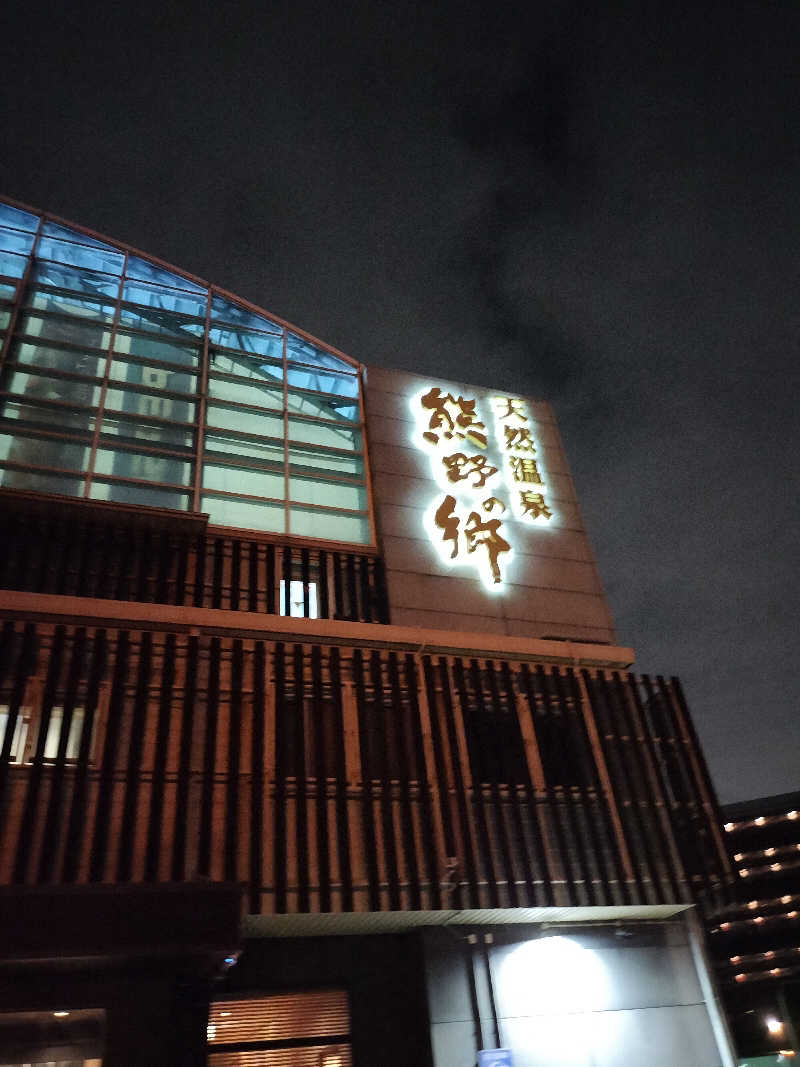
x=14, y=241
x=308, y=460
x=156, y=348
x=75, y=330
x=82, y=281
x=163, y=299
x=134, y=428
x=69, y=360
x=305, y=352
x=152, y=377
x=244, y=391
x=160, y=322
x=131, y=402
x=321, y=433
x=323, y=407
x=42, y=483
x=258, y=343
x=149, y=272
x=67, y=304
x=80, y=255
x=5, y=318
x=7, y=292
x=246, y=366
x=22, y=220
x=53, y=229
x=12, y=265
x=321, y=382
x=306, y=522
x=225, y=311
x=225, y=417
x=151, y=496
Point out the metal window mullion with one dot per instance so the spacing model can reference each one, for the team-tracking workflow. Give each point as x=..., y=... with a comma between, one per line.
x=98, y=419
x=202, y=401
x=21, y=286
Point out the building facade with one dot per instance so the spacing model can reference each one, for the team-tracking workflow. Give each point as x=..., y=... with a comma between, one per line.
x=756, y=940
x=317, y=746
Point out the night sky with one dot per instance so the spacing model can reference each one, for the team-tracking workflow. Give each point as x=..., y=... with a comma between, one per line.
x=594, y=204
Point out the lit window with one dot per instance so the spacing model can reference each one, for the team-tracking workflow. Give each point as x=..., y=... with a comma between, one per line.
x=23, y=744
x=297, y=599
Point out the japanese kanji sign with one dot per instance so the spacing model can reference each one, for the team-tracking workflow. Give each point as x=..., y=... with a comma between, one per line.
x=485, y=460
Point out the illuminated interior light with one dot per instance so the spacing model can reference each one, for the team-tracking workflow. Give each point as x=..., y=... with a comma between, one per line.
x=769, y=851
x=760, y=820
x=724, y=926
x=775, y=970
x=60, y=1014
x=758, y=919
x=735, y=959
x=740, y=977
x=752, y=904
x=224, y=1014
x=738, y=857
x=775, y=1026
x=786, y=1052
x=791, y=814
x=774, y=866
x=744, y=872
x=768, y=955
x=785, y=900
x=211, y=1032
x=728, y=826
x=791, y=914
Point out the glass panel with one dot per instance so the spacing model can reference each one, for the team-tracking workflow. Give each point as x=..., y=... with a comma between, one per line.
x=323, y=407
x=307, y=460
x=163, y=299
x=151, y=496
x=49, y=416
x=70, y=305
x=149, y=272
x=40, y=387
x=51, y=742
x=22, y=220
x=269, y=454
x=243, y=480
x=42, y=482
x=14, y=241
x=136, y=429
x=224, y=311
x=321, y=381
x=82, y=281
x=156, y=348
x=226, y=418
x=44, y=452
x=163, y=322
x=248, y=515
x=80, y=255
x=320, y=433
x=305, y=522
x=246, y=366
x=54, y=229
x=143, y=465
x=5, y=318
x=304, y=352
x=7, y=292
x=152, y=377
x=263, y=344
x=328, y=494
x=88, y=364
x=12, y=265
x=297, y=599
x=158, y=407
x=253, y=391
x=64, y=329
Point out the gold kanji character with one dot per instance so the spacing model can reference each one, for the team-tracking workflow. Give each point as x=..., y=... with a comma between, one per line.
x=508, y=407
x=453, y=417
x=533, y=505
x=448, y=522
x=518, y=439
x=486, y=535
x=460, y=467
x=491, y=503
x=524, y=469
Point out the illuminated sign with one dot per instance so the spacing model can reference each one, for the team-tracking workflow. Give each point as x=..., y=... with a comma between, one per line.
x=488, y=468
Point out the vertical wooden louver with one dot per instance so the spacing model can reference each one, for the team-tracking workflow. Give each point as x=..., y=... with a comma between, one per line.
x=285, y=1030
